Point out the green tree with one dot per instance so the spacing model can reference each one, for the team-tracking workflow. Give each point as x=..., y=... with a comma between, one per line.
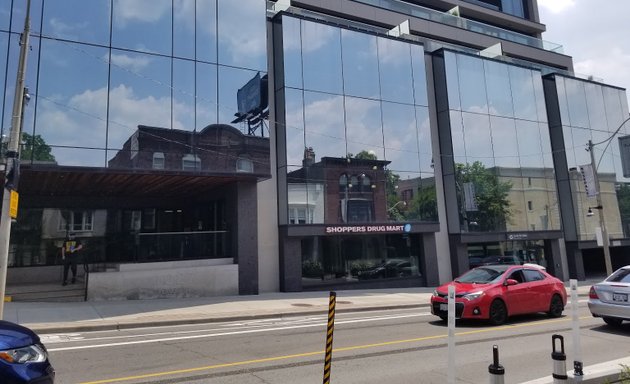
x=35, y=148
x=491, y=196
x=423, y=206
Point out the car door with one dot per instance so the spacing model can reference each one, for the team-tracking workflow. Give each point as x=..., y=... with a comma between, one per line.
x=540, y=289
x=518, y=296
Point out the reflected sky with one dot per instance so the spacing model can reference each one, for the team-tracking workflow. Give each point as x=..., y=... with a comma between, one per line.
x=171, y=65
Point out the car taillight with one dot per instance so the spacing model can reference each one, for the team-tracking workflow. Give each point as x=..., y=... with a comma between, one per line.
x=592, y=294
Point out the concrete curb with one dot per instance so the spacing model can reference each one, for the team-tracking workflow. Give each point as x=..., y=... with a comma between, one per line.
x=607, y=372
x=112, y=325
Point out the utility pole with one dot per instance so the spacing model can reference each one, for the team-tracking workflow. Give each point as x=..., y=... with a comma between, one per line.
x=12, y=166
x=600, y=208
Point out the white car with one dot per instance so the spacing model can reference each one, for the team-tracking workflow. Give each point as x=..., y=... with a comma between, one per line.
x=609, y=299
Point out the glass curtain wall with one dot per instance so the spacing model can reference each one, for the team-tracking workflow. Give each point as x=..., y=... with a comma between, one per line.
x=592, y=111
x=99, y=69
x=358, y=146
x=504, y=173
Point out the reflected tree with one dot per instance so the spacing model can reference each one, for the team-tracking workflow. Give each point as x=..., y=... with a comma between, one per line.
x=423, y=206
x=35, y=148
x=490, y=196
x=623, y=198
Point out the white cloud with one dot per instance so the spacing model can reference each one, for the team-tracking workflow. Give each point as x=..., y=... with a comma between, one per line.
x=128, y=62
x=59, y=28
x=81, y=122
x=147, y=11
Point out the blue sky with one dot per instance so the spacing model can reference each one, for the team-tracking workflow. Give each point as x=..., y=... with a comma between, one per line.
x=595, y=33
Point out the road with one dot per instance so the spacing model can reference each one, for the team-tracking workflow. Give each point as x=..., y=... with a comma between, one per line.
x=393, y=346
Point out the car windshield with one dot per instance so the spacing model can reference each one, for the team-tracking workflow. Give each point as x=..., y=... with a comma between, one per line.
x=621, y=276
x=481, y=275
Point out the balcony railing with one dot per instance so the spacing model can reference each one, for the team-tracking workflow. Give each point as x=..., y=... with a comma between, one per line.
x=459, y=22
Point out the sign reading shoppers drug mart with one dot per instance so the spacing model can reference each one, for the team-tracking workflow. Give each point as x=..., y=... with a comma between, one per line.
x=358, y=229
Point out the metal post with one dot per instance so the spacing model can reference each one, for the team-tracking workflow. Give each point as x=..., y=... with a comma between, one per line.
x=451, y=335
x=577, y=345
x=329, y=336
x=496, y=370
x=12, y=157
x=600, y=208
x=559, y=361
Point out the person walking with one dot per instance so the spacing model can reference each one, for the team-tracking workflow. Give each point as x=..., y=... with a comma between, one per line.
x=69, y=256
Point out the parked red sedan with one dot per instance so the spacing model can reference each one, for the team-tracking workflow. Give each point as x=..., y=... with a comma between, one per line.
x=495, y=292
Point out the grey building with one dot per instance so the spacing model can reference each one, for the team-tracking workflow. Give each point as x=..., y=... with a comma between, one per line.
x=406, y=141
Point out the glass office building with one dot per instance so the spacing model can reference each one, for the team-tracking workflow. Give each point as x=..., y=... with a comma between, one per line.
x=305, y=145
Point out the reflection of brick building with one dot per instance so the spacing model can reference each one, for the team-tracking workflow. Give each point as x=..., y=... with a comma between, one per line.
x=354, y=189
x=216, y=148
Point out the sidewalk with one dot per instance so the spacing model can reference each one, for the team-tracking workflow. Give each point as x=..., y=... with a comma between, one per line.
x=108, y=315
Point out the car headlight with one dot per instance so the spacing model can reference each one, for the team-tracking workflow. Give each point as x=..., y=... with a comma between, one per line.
x=473, y=295
x=31, y=354
x=435, y=293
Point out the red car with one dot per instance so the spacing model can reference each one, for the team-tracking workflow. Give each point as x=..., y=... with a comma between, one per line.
x=495, y=292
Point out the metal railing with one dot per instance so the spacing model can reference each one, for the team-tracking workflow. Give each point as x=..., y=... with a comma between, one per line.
x=459, y=22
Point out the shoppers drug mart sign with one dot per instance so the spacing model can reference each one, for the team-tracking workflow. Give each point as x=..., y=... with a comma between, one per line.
x=349, y=229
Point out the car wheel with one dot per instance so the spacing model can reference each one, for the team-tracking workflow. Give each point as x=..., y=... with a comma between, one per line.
x=556, y=306
x=498, y=312
x=613, y=321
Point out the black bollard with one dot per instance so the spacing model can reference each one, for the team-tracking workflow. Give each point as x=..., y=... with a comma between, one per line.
x=496, y=370
x=559, y=360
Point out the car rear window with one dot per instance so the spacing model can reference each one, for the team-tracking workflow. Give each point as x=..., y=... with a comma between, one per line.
x=621, y=276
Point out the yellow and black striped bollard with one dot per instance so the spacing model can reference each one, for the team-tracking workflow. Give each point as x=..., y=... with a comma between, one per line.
x=329, y=336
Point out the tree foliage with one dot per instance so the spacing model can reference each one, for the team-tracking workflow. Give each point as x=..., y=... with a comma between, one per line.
x=491, y=197
x=35, y=148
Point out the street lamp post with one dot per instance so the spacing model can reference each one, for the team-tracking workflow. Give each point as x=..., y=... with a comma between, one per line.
x=600, y=208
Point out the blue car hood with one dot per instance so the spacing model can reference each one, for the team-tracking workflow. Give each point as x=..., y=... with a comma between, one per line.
x=15, y=336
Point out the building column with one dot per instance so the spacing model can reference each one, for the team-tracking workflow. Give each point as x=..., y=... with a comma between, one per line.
x=246, y=239
x=575, y=261
x=557, y=261
x=459, y=256
x=290, y=264
x=430, y=260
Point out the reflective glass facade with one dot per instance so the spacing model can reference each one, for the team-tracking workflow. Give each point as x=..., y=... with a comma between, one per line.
x=356, y=125
x=592, y=111
x=503, y=165
x=120, y=86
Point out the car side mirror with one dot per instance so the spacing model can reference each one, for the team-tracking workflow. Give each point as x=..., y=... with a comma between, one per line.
x=509, y=282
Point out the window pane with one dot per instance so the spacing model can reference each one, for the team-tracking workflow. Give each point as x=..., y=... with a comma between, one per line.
x=242, y=34
x=452, y=80
x=139, y=95
x=230, y=81
x=477, y=138
x=363, y=126
x=324, y=124
x=77, y=20
x=184, y=29
x=321, y=55
x=401, y=137
x=525, y=105
x=576, y=99
x=528, y=135
x=205, y=29
x=207, y=109
x=419, y=75
x=499, y=92
x=294, y=127
x=395, y=70
x=291, y=44
x=183, y=116
x=472, y=86
x=504, y=142
x=143, y=25
x=360, y=64
x=72, y=101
